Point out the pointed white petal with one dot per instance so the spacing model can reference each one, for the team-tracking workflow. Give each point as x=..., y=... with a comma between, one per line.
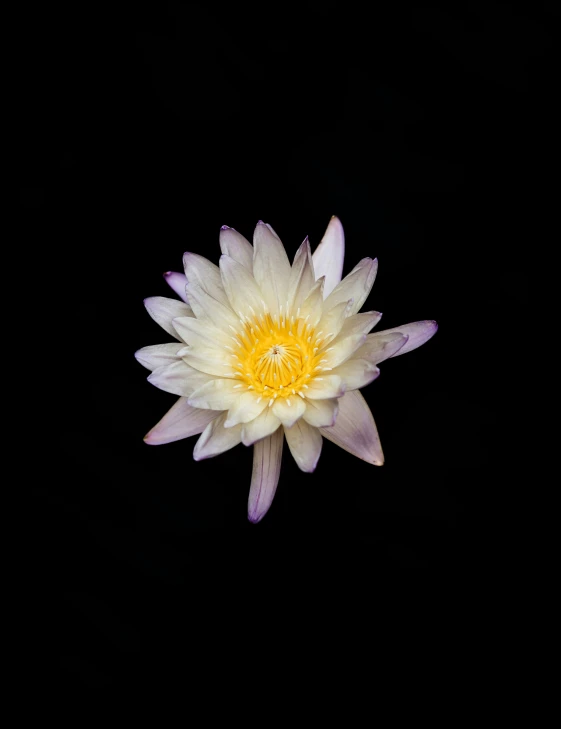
x=236, y=246
x=181, y=421
x=302, y=276
x=359, y=323
x=333, y=320
x=198, y=333
x=328, y=256
x=321, y=413
x=263, y=425
x=163, y=310
x=312, y=306
x=206, y=360
x=158, y=355
x=271, y=267
x=289, y=410
x=341, y=350
x=216, y=394
x=241, y=288
x=216, y=439
x=324, y=387
x=245, y=409
x=206, y=308
x=356, y=373
x=177, y=282
x=200, y=270
x=380, y=347
x=356, y=285
x=267, y=456
x=305, y=444
x=418, y=332
x=178, y=378
x=355, y=429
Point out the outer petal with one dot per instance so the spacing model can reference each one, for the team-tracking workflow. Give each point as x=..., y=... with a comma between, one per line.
x=356, y=285
x=382, y=347
x=418, y=332
x=360, y=323
x=216, y=395
x=206, y=360
x=204, y=334
x=241, y=288
x=200, y=270
x=324, y=387
x=355, y=429
x=181, y=421
x=163, y=310
x=247, y=407
x=178, y=378
x=302, y=277
x=356, y=373
x=321, y=413
x=158, y=355
x=271, y=266
x=267, y=456
x=264, y=425
x=216, y=439
x=177, y=282
x=206, y=308
x=342, y=349
x=236, y=246
x=305, y=444
x=289, y=410
x=328, y=256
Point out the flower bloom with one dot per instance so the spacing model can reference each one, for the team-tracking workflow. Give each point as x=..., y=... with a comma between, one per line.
x=266, y=351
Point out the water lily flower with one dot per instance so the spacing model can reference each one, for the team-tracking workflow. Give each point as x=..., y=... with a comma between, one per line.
x=265, y=350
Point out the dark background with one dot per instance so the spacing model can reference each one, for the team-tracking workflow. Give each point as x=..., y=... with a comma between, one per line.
x=427, y=130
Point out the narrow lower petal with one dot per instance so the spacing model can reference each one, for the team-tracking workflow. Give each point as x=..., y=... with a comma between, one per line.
x=321, y=413
x=164, y=310
x=158, y=355
x=271, y=267
x=356, y=373
x=178, y=378
x=236, y=246
x=380, y=347
x=216, y=394
x=216, y=439
x=263, y=425
x=356, y=285
x=355, y=430
x=329, y=255
x=305, y=444
x=180, y=421
x=418, y=333
x=267, y=456
x=200, y=270
x=177, y=282
x=247, y=407
x=289, y=410
x=324, y=387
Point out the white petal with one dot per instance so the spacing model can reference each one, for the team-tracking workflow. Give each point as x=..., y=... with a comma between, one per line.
x=245, y=409
x=263, y=426
x=206, y=360
x=178, y=378
x=312, y=306
x=321, y=413
x=177, y=282
x=271, y=267
x=305, y=444
x=356, y=285
x=356, y=373
x=355, y=429
x=158, y=355
x=215, y=394
x=289, y=410
x=360, y=323
x=418, y=332
x=241, y=288
x=341, y=350
x=236, y=246
x=333, y=320
x=302, y=276
x=181, y=421
x=267, y=457
x=328, y=256
x=206, y=308
x=200, y=270
x=216, y=439
x=325, y=387
x=163, y=310
x=377, y=348
x=201, y=334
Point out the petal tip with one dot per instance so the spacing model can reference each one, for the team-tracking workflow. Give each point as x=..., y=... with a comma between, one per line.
x=225, y=227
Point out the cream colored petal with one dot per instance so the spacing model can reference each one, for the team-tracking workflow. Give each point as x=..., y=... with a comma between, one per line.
x=178, y=378
x=332, y=321
x=381, y=347
x=216, y=439
x=263, y=426
x=289, y=410
x=328, y=256
x=356, y=285
x=356, y=373
x=206, y=360
x=267, y=457
x=418, y=333
x=341, y=350
x=163, y=310
x=359, y=323
x=241, y=288
x=215, y=395
x=177, y=282
x=181, y=421
x=158, y=355
x=200, y=270
x=324, y=387
x=305, y=444
x=321, y=413
x=355, y=430
x=198, y=333
x=302, y=278
x=312, y=306
x=236, y=246
x=271, y=267
x=208, y=309
x=246, y=408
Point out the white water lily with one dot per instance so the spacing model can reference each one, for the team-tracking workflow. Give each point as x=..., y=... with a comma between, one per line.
x=266, y=351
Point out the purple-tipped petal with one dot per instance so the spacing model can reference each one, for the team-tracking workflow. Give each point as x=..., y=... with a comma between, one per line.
x=267, y=456
x=355, y=429
x=236, y=246
x=329, y=255
x=418, y=333
x=181, y=421
x=177, y=282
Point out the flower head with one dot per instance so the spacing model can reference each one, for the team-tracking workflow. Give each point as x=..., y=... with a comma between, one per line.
x=267, y=350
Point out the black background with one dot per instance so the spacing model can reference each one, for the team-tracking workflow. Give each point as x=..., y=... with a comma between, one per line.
x=427, y=130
